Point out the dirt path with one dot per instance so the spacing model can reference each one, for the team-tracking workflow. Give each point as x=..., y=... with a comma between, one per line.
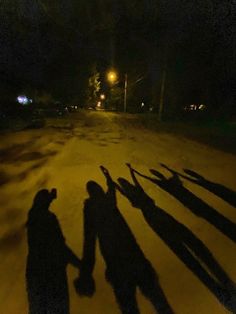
x=66, y=155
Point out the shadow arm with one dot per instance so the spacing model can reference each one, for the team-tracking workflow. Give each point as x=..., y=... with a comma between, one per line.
x=85, y=284
x=175, y=173
x=88, y=259
x=134, y=171
x=111, y=191
x=72, y=258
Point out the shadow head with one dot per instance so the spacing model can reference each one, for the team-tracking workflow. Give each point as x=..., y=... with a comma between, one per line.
x=94, y=189
x=43, y=198
x=157, y=174
x=126, y=185
x=193, y=174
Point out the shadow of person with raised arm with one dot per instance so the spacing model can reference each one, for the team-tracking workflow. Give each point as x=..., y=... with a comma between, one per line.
x=197, y=206
x=220, y=190
x=187, y=247
x=126, y=266
x=48, y=256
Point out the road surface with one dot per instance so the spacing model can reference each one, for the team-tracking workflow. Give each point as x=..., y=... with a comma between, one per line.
x=65, y=155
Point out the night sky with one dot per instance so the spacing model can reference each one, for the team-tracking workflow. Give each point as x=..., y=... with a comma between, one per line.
x=52, y=45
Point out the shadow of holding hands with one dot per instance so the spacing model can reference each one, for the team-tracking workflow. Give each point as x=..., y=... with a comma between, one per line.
x=126, y=266
x=197, y=206
x=187, y=247
x=48, y=256
x=218, y=189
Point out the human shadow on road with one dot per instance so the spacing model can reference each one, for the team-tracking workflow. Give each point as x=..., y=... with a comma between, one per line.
x=187, y=247
x=126, y=266
x=219, y=190
x=48, y=256
x=197, y=206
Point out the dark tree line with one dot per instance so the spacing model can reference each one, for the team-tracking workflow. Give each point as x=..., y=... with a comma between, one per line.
x=52, y=45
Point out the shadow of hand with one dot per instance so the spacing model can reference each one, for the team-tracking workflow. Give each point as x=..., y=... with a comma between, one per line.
x=135, y=194
x=85, y=285
x=104, y=170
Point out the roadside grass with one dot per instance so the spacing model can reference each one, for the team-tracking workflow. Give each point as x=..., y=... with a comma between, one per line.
x=218, y=134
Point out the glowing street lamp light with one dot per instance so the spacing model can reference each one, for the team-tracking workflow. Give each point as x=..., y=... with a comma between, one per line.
x=112, y=77
x=102, y=96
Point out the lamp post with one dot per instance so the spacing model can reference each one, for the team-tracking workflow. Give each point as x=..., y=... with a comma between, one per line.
x=112, y=78
x=125, y=92
x=162, y=95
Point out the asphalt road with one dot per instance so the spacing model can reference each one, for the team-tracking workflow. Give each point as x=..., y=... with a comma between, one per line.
x=187, y=237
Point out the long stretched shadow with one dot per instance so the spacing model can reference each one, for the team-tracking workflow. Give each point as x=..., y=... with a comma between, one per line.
x=220, y=190
x=187, y=247
x=48, y=256
x=126, y=266
x=197, y=206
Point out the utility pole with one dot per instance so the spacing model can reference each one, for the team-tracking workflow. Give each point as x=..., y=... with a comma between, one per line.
x=162, y=94
x=125, y=92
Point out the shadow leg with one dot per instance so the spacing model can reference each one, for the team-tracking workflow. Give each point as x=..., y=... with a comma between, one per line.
x=126, y=298
x=150, y=287
x=201, y=251
x=192, y=263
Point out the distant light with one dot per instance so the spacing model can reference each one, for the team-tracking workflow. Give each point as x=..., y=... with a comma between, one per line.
x=102, y=96
x=142, y=104
x=22, y=99
x=99, y=104
x=76, y=107
x=193, y=107
x=202, y=107
x=112, y=76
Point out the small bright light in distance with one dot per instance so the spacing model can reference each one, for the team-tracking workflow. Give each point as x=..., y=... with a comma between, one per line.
x=202, y=107
x=102, y=96
x=22, y=99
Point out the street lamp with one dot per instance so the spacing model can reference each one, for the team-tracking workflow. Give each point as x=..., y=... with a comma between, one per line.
x=112, y=76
